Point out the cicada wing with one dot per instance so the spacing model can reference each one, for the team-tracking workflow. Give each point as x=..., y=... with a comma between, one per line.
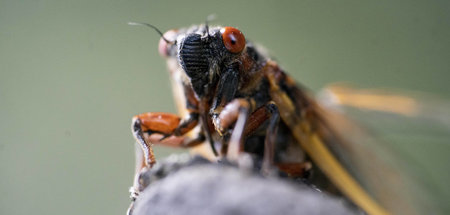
x=381, y=155
x=429, y=114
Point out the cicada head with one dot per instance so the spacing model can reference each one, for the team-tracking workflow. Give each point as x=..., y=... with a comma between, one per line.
x=203, y=52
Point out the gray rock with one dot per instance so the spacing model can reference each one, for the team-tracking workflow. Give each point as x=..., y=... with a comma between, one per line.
x=203, y=188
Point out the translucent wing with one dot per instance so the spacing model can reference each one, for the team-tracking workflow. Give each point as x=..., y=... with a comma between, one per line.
x=403, y=160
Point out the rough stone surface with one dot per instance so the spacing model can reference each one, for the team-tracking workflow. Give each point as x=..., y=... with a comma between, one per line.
x=206, y=188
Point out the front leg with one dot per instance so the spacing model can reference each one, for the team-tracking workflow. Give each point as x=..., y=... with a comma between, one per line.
x=159, y=128
x=165, y=129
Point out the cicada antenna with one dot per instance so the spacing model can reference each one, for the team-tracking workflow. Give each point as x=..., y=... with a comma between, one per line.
x=155, y=28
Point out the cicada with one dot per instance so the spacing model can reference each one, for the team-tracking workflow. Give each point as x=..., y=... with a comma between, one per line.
x=234, y=98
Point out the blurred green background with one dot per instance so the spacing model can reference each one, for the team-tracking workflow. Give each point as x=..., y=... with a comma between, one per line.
x=73, y=73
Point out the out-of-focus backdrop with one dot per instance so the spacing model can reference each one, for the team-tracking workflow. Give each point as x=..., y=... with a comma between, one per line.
x=73, y=73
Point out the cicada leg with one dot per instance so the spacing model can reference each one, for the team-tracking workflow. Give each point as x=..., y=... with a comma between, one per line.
x=238, y=112
x=159, y=128
x=246, y=124
x=145, y=125
x=164, y=129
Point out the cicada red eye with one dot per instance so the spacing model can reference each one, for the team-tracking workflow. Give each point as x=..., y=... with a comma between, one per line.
x=233, y=39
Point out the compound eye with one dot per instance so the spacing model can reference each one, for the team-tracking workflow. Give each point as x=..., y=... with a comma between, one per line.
x=233, y=39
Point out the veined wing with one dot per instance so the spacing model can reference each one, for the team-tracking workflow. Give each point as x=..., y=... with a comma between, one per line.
x=314, y=134
x=404, y=161
x=355, y=162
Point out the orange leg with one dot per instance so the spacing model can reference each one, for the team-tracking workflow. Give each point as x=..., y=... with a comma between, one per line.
x=159, y=128
x=165, y=129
